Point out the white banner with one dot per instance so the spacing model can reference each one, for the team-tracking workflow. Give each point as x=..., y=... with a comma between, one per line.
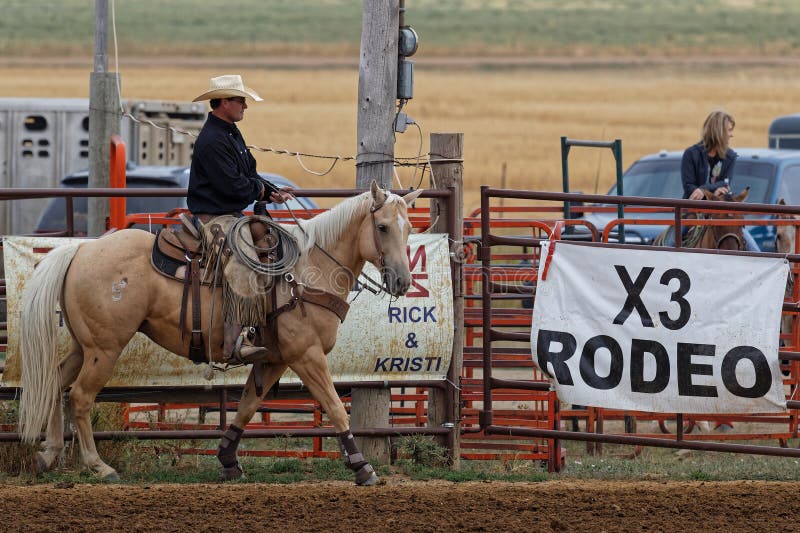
x=382, y=338
x=660, y=330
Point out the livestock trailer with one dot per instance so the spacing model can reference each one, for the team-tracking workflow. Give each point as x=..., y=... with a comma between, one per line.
x=44, y=139
x=784, y=132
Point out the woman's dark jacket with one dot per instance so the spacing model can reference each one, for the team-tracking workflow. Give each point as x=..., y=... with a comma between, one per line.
x=695, y=169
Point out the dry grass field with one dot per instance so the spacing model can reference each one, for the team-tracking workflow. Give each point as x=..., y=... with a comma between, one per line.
x=509, y=116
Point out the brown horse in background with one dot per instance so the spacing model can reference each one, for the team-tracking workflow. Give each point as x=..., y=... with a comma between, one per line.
x=334, y=247
x=716, y=237
x=711, y=236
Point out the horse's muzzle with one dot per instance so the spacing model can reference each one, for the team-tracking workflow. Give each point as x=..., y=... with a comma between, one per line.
x=394, y=284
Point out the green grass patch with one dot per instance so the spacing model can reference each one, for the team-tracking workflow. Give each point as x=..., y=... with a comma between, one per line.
x=547, y=27
x=675, y=465
x=422, y=450
x=419, y=457
x=653, y=464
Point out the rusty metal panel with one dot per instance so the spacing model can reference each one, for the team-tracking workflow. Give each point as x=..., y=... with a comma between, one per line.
x=382, y=338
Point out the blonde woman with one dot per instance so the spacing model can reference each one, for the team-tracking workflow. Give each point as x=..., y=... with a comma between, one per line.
x=709, y=164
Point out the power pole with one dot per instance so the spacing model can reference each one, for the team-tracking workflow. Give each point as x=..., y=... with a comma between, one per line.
x=104, y=120
x=377, y=92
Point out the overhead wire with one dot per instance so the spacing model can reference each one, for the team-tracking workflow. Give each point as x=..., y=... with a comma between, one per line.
x=297, y=155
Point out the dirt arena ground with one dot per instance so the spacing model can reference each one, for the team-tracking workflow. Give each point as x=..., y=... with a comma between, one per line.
x=400, y=505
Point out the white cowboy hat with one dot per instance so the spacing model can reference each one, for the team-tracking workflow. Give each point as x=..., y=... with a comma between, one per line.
x=228, y=86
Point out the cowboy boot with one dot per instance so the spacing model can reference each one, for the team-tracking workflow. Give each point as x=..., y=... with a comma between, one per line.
x=237, y=344
x=244, y=349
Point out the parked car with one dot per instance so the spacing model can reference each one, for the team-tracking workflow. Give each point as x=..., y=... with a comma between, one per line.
x=53, y=218
x=770, y=174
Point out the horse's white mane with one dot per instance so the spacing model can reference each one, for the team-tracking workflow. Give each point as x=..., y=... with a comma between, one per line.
x=326, y=228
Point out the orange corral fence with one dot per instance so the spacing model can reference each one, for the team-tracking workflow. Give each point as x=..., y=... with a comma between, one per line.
x=506, y=408
x=504, y=331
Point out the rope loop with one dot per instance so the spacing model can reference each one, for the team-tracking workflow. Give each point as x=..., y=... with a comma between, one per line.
x=291, y=249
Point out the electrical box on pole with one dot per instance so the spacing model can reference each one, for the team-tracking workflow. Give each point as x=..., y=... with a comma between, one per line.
x=407, y=44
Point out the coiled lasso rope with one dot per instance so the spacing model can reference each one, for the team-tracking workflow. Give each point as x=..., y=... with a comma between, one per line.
x=291, y=249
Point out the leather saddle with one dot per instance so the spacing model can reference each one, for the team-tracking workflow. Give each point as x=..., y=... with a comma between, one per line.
x=173, y=249
x=179, y=254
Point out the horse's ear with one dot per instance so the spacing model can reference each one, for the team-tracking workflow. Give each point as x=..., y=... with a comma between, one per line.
x=410, y=197
x=378, y=195
x=783, y=215
x=742, y=196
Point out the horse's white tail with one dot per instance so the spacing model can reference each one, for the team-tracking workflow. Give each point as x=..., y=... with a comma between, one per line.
x=40, y=380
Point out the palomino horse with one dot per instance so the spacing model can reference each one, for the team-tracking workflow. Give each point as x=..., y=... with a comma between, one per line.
x=372, y=227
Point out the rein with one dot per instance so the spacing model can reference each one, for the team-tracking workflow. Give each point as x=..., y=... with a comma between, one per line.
x=371, y=285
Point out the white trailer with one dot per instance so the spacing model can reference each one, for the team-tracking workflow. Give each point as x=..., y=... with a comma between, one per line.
x=44, y=139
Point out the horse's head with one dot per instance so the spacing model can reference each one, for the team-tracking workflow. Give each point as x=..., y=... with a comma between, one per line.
x=726, y=237
x=785, y=235
x=384, y=237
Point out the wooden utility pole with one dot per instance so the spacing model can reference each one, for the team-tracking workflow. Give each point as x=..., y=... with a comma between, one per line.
x=104, y=120
x=377, y=92
x=447, y=170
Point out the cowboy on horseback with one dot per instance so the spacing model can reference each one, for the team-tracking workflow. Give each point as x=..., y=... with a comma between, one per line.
x=223, y=181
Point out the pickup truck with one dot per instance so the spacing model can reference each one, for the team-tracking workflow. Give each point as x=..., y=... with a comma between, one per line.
x=770, y=174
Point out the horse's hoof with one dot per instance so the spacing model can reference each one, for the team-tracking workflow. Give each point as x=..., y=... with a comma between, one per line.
x=40, y=465
x=370, y=481
x=232, y=472
x=366, y=476
x=111, y=477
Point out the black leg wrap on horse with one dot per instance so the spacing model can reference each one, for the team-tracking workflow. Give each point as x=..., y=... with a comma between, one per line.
x=226, y=453
x=350, y=454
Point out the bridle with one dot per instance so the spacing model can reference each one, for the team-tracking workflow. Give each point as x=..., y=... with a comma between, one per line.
x=378, y=247
x=371, y=285
x=731, y=235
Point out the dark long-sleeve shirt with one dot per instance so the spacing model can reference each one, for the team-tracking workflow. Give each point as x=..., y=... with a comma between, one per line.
x=223, y=177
